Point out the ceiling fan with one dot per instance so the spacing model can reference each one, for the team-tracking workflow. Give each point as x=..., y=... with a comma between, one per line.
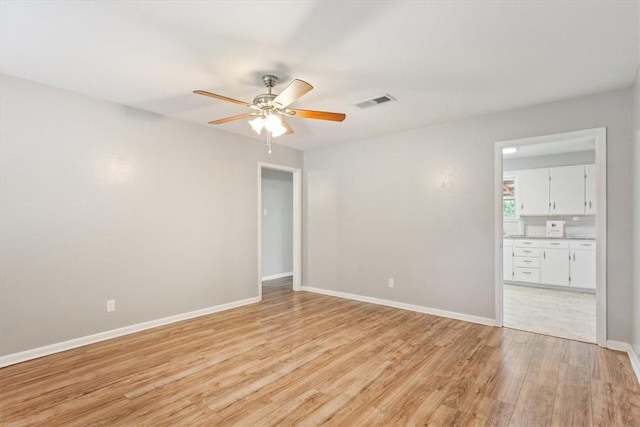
x=270, y=110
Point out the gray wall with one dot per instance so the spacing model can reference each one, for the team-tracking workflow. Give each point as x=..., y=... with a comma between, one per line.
x=419, y=206
x=102, y=201
x=277, y=225
x=635, y=339
x=552, y=160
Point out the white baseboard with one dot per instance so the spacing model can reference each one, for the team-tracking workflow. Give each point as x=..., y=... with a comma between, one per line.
x=635, y=361
x=627, y=348
x=404, y=306
x=46, y=350
x=618, y=345
x=277, y=276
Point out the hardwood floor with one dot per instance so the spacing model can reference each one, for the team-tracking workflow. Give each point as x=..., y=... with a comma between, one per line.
x=307, y=359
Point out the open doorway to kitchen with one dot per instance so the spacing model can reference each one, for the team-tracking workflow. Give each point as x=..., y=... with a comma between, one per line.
x=551, y=239
x=279, y=228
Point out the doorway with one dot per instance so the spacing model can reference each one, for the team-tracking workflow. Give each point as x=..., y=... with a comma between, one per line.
x=551, y=235
x=279, y=226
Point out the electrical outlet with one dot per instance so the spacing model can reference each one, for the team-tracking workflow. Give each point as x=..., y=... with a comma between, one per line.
x=391, y=282
x=111, y=305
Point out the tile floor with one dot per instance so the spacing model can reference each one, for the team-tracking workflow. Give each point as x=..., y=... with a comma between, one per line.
x=278, y=282
x=552, y=312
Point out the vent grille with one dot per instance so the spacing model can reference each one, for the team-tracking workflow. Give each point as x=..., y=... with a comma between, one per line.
x=375, y=101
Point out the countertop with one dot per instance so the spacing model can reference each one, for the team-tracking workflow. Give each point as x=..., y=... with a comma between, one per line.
x=547, y=238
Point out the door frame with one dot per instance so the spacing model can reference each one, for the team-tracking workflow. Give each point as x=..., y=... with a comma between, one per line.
x=297, y=223
x=600, y=137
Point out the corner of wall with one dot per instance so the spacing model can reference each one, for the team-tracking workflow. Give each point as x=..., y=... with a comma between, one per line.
x=635, y=319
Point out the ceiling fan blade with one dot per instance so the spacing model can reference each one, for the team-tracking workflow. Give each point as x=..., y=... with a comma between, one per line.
x=230, y=119
x=223, y=98
x=295, y=90
x=286, y=125
x=319, y=115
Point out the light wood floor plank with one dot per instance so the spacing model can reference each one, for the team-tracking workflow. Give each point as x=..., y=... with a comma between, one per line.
x=298, y=358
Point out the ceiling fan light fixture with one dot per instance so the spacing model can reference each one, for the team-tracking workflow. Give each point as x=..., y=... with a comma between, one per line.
x=257, y=124
x=273, y=124
x=278, y=131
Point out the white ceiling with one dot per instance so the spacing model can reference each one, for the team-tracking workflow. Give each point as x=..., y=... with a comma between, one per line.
x=442, y=60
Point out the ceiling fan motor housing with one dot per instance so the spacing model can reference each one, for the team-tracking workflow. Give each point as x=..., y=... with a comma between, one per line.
x=264, y=100
x=269, y=80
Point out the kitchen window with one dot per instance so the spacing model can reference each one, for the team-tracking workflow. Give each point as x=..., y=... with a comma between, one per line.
x=509, y=198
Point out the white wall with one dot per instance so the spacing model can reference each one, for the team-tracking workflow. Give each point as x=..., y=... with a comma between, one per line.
x=101, y=201
x=277, y=224
x=419, y=206
x=635, y=339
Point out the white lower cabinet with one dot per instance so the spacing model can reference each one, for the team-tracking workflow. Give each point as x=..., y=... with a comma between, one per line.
x=507, y=259
x=531, y=275
x=551, y=262
x=526, y=261
x=583, y=264
x=554, y=267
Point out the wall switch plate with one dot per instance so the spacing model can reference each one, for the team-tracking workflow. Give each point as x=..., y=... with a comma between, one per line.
x=111, y=305
x=391, y=282
x=264, y=212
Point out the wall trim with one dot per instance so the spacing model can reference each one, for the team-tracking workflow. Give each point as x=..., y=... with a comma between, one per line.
x=627, y=348
x=404, y=306
x=618, y=345
x=635, y=361
x=277, y=276
x=297, y=223
x=23, y=356
x=600, y=137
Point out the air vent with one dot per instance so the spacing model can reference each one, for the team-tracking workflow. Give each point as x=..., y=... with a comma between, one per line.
x=374, y=101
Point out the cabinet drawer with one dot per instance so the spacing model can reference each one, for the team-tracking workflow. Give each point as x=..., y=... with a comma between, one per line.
x=526, y=243
x=554, y=244
x=526, y=275
x=582, y=244
x=526, y=262
x=528, y=252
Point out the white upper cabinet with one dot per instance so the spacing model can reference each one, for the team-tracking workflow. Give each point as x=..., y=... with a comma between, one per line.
x=533, y=192
x=590, y=189
x=566, y=190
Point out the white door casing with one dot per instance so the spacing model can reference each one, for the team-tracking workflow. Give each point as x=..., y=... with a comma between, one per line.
x=599, y=136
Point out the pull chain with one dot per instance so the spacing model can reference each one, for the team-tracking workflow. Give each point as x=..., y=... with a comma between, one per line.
x=269, y=142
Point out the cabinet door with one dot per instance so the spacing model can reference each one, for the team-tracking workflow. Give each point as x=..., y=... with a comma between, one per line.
x=590, y=189
x=583, y=268
x=554, y=267
x=507, y=263
x=532, y=192
x=566, y=190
